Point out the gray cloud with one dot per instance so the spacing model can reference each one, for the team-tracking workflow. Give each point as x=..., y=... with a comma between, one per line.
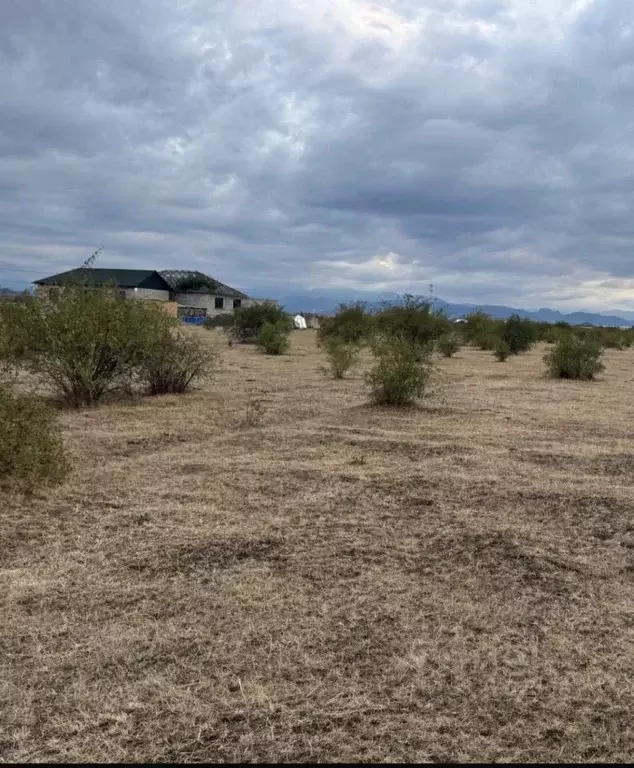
x=484, y=146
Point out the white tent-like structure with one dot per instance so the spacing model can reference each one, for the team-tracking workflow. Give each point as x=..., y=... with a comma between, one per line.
x=300, y=323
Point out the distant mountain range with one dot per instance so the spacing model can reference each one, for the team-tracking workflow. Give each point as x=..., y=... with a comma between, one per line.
x=10, y=293
x=326, y=305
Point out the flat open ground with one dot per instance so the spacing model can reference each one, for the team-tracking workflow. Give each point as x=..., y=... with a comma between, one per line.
x=453, y=582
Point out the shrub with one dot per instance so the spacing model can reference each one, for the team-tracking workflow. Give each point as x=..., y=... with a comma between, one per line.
x=14, y=329
x=171, y=361
x=414, y=320
x=84, y=342
x=486, y=341
x=273, y=338
x=553, y=334
x=352, y=324
x=608, y=338
x=501, y=350
x=401, y=373
x=449, y=344
x=542, y=330
x=519, y=334
x=573, y=357
x=342, y=355
x=480, y=330
x=611, y=338
x=31, y=452
x=248, y=322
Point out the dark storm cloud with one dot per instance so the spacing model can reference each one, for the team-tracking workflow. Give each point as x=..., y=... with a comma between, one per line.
x=485, y=146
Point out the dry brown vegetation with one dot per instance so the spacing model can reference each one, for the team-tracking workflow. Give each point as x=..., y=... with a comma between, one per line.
x=330, y=581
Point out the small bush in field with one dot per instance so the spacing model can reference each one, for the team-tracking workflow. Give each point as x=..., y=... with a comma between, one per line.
x=519, y=334
x=31, y=452
x=612, y=338
x=486, y=341
x=171, y=362
x=553, y=334
x=273, y=338
x=401, y=373
x=448, y=344
x=352, y=324
x=573, y=357
x=248, y=322
x=83, y=342
x=501, y=350
x=480, y=330
x=14, y=329
x=342, y=355
x=414, y=320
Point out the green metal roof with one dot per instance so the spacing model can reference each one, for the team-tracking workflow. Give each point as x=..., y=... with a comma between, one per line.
x=124, y=278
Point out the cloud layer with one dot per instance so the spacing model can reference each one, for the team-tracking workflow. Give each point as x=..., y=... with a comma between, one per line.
x=484, y=146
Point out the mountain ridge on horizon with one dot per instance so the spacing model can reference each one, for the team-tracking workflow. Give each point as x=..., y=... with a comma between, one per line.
x=327, y=303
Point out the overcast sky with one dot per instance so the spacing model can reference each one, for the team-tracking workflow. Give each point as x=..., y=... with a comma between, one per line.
x=484, y=146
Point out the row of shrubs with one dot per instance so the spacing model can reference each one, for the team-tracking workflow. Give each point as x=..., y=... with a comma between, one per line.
x=402, y=338
x=417, y=321
x=266, y=324
x=82, y=345
x=86, y=343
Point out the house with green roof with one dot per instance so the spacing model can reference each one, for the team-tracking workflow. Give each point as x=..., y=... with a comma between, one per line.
x=196, y=294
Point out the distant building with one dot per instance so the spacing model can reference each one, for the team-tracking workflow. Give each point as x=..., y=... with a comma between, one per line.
x=196, y=295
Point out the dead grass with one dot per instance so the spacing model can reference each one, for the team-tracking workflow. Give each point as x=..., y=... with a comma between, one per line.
x=451, y=582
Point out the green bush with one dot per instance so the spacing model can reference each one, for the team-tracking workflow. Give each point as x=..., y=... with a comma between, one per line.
x=31, y=452
x=84, y=342
x=352, y=324
x=401, y=372
x=171, y=361
x=501, y=350
x=273, y=338
x=607, y=337
x=14, y=329
x=342, y=355
x=519, y=334
x=248, y=322
x=481, y=330
x=612, y=338
x=448, y=344
x=574, y=357
x=413, y=320
x=486, y=341
x=553, y=334
x=542, y=330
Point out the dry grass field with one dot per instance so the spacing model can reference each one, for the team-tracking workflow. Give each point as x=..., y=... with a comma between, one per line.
x=337, y=582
